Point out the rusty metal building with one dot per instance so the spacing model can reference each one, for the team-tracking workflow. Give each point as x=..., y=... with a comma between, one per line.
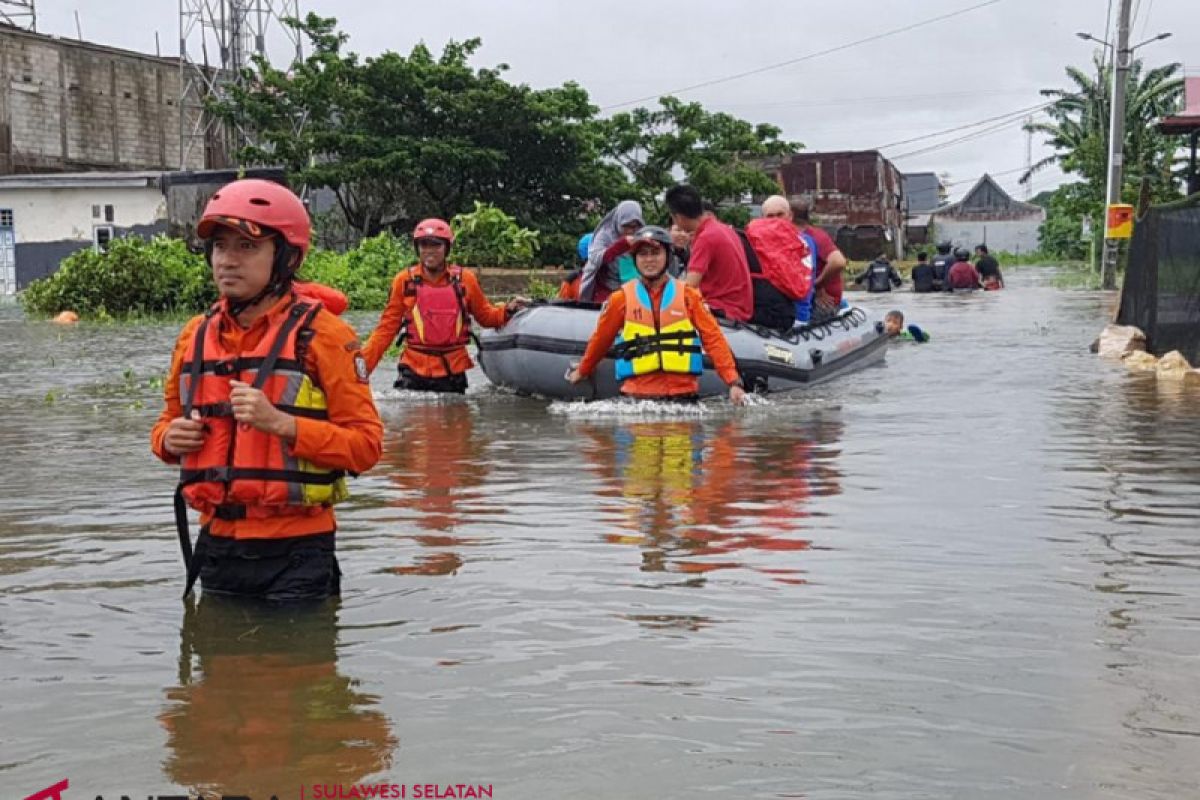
x=856, y=195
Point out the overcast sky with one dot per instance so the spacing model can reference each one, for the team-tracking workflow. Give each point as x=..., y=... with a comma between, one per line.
x=984, y=63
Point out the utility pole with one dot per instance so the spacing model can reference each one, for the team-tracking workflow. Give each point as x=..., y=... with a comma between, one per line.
x=1116, y=140
x=1028, y=156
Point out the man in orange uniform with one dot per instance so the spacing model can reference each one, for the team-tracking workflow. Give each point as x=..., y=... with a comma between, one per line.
x=431, y=305
x=267, y=406
x=658, y=319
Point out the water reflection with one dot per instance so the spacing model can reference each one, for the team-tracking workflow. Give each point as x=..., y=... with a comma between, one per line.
x=260, y=707
x=437, y=458
x=697, y=500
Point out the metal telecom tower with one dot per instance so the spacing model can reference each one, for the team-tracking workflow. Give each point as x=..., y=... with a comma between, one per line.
x=217, y=38
x=19, y=13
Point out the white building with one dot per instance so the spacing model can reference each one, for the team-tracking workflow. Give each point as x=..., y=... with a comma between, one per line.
x=44, y=218
x=988, y=215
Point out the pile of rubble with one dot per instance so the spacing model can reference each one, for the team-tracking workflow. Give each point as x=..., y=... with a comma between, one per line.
x=1128, y=344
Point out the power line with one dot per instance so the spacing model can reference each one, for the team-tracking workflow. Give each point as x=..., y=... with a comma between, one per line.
x=1018, y=113
x=1146, y=20
x=807, y=57
x=969, y=137
x=851, y=101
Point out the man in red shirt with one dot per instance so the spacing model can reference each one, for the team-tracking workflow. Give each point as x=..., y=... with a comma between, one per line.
x=831, y=263
x=717, y=265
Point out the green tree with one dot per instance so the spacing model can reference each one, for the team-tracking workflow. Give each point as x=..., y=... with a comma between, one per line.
x=398, y=138
x=719, y=154
x=1077, y=128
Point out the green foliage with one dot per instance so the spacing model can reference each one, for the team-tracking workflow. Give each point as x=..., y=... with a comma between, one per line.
x=541, y=289
x=1061, y=235
x=717, y=153
x=399, y=138
x=134, y=277
x=1078, y=128
x=365, y=273
x=487, y=237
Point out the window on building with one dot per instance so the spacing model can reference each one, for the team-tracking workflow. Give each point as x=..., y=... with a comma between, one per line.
x=95, y=212
x=109, y=215
x=102, y=235
x=6, y=218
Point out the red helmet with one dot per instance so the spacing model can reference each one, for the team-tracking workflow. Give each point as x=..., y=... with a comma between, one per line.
x=251, y=204
x=434, y=228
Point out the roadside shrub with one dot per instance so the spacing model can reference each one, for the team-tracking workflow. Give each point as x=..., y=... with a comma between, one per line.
x=487, y=237
x=134, y=277
x=366, y=272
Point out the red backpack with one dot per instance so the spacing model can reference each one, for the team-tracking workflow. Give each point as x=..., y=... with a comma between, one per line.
x=783, y=255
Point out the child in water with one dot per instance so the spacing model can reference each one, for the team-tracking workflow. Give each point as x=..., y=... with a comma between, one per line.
x=893, y=326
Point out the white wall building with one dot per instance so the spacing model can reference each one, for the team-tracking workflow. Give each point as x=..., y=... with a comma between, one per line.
x=44, y=218
x=988, y=215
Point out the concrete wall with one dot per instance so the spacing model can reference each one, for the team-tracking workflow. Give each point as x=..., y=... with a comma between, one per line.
x=1010, y=235
x=49, y=215
x=69, y=106
x=39, y=259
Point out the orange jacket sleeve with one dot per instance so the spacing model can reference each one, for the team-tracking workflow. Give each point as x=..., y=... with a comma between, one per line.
x=483, y=311
x=388, y=329
x=352, y=437
x=612, y=319
x=172, y=404
x=711, y=336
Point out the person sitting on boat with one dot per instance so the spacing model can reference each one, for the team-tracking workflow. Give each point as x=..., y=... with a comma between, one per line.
x=569, y=290
x=831, y=263
x=962, y=276
x=989, y=269
x=266, y=408
x=922, y=274
x=717, y=264
x=659, y=323
x=893, y=326
x=879, y=275
x=608, y=262
x=777, y=207
x=431, y=306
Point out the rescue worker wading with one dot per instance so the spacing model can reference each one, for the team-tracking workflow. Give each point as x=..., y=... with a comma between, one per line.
x=658, y=323
x=431, y=306
x=267, y=408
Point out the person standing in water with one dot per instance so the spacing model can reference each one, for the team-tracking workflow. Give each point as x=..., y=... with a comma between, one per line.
x=267, y=407
x=431, y=304
x=659, y=323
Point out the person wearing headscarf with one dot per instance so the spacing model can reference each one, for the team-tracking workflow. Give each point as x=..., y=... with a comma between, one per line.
x=602, y=275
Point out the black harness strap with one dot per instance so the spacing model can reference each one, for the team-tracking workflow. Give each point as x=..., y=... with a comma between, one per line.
x=300, y=312
x=673, y=342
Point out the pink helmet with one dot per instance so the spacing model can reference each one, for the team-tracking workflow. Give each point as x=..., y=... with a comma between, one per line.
x=251, y=204
x=434, y=228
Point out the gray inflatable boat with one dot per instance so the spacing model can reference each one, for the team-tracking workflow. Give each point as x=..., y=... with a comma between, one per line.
x=532, y=353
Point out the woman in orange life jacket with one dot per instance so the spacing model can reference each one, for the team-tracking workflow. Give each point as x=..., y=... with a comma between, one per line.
x=431, y=305
x=267, y=406
x=672, y=320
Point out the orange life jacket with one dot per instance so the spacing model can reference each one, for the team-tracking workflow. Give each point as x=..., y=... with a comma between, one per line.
x=242, y=472
x=439, y=322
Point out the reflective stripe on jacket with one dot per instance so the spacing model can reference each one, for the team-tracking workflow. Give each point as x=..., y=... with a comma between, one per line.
x=438, y=322
x=241, y=472
x=660, y=339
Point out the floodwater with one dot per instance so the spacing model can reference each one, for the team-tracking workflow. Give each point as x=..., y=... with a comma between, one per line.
x=972, y=572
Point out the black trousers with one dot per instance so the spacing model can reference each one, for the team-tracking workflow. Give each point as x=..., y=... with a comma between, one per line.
x=452, y=384
x=296, y=569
